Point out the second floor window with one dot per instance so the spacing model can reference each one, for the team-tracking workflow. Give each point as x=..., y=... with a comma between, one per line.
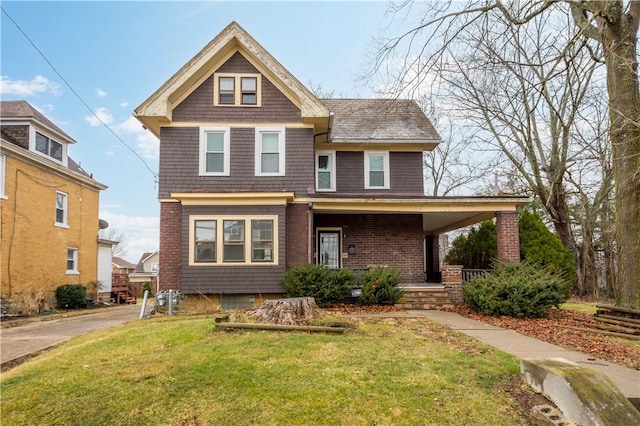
x=270, y=151
x=376, y=170
x=61, y=209
x=48, y=147
x=325, y=171
x=214, y=151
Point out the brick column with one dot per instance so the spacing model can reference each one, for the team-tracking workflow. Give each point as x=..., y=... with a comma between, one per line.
x=508, y=236
x=452, y=282
x=297, y=235
x=170, y=270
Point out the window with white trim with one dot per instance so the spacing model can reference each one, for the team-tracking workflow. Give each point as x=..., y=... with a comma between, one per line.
x=325, y=171
x=231, y=89
x=215, y=151
x=3, y=174
x=72, y=261
x=225, y=240
x=376, y=170
x=270, y=151
x=61, y=209
x=49, y=147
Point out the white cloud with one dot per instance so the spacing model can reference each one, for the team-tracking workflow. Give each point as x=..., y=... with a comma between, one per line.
x=147, y=145
x=141, y=232
x=38, y=85
x=102, y=114
x=124, y=104
x=101, y=93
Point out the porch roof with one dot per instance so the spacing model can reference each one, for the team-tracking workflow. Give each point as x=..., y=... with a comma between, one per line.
x=439, y=214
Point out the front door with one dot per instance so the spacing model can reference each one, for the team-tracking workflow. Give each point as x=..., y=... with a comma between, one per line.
x=329, y=249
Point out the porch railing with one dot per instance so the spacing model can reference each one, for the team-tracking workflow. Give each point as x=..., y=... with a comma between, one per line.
x=469, y=274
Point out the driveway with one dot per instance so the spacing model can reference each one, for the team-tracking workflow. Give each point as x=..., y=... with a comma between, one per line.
x=17, y=342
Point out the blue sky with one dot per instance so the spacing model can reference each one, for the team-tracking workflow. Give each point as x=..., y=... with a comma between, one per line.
x=116, y=54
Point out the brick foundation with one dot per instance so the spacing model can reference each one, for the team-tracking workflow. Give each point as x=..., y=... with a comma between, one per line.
x=508, y=236
x=170, y=268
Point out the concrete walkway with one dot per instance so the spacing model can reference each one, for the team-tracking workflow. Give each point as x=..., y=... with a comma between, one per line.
x=521, y=346
x=22, y=340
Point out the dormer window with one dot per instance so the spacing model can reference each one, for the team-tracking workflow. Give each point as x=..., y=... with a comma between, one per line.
x=48, y=147
x=237, y=89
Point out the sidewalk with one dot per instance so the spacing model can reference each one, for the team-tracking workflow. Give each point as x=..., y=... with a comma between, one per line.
x=521, y=346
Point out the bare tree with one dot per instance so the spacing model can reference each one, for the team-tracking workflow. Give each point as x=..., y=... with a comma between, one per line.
x=114, y=234
x=484, y=48
x=452, y=167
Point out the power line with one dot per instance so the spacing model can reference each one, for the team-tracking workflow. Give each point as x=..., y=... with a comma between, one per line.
x=155, y=175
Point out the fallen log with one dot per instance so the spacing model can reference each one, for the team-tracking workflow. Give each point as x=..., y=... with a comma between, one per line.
x=617, y=328
x=280, y=327
x=607, y=333
x=620, y=309
x=625, y=324
x=619, y=318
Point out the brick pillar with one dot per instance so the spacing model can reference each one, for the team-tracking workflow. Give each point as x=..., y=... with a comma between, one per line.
x=508, y=236
x=297, y=235
x=170, y=268
x=452, y=282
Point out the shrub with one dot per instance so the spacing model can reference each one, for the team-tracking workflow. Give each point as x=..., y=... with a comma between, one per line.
x=147, y=286
x=324, y=285
x=30, y=302
x=71, y=296
x=526, y=290
x=380, y=286
x=477, y=249
x=539, y=244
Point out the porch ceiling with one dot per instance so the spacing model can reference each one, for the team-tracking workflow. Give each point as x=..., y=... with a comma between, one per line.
x=439, y=214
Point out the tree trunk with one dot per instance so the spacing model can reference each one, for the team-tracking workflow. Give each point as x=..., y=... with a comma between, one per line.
x=619, y=43
x=292, y=311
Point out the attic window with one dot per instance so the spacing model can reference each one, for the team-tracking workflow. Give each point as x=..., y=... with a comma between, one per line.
x=237, y=89
x=48, y=147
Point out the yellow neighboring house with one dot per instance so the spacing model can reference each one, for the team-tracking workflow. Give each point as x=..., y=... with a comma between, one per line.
x=49, y=207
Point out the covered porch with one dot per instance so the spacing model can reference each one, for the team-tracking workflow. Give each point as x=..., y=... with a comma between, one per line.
x=359, y=232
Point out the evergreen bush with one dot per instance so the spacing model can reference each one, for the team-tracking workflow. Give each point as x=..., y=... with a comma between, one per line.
x=477, y=249
x=539, y=244
x=325, y=285
x=380, y=286
x=71, y=296
x=524, y=289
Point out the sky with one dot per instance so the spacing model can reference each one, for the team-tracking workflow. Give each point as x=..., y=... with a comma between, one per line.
x=113, y=55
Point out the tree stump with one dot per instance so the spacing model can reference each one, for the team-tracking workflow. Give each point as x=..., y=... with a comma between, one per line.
x=292, y=311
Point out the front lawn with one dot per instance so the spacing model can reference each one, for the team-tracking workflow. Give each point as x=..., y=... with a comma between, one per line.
x=182, y=371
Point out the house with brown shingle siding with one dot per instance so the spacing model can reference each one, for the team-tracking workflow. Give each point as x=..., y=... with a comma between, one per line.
x=258, y=175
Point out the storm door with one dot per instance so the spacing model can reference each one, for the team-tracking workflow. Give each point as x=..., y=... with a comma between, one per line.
x=329, y=249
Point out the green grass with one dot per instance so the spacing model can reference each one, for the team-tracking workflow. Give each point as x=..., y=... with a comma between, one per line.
x=181, y=371
x=584, y=307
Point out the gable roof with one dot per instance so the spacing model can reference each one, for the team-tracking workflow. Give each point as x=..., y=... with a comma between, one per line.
x=119, y=262
x=21, y=110
x=379, y=120
x=157, y=109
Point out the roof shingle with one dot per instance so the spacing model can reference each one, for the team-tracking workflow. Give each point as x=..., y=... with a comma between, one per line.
x=383, y=120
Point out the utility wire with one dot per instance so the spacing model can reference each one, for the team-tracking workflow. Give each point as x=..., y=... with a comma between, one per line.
x=155, y=175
